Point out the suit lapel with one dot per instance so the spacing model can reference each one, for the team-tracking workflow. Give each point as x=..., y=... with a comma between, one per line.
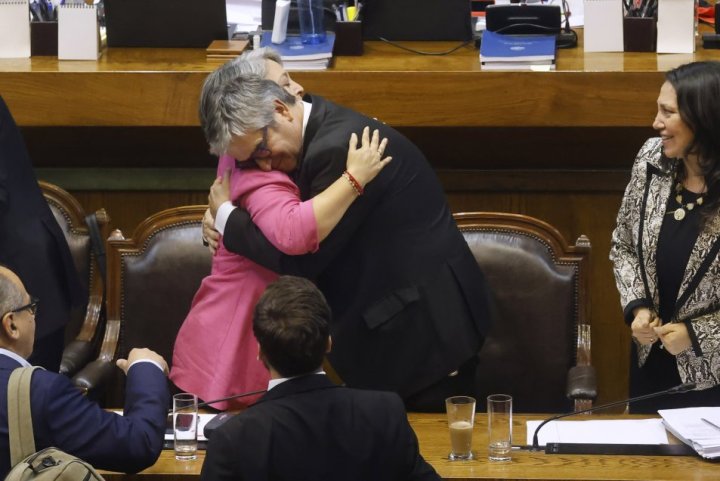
x=305, y=173
x=657, y=192
x=702, y=256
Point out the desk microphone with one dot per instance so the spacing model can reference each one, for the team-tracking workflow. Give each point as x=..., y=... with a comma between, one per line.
x=573, y=448
x=234, y=396
x=217, y=420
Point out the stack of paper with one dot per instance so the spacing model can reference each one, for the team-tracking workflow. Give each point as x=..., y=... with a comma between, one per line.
x=299, y=56
x=611, y=431
x=517, y=52
x=696, y=427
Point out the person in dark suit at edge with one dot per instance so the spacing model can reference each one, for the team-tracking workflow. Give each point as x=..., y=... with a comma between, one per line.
x=410, y=303
x=306, y=427
x=61, y=416
x=33, y=245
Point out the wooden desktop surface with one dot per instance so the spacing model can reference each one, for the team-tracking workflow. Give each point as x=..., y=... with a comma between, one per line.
x=160, y=87
x=432, y=433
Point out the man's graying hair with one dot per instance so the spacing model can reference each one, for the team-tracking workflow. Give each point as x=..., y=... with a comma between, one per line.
x=236, y=98
x=10, y=295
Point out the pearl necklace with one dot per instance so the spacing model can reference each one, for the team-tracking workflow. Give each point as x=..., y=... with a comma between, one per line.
x=679, y=213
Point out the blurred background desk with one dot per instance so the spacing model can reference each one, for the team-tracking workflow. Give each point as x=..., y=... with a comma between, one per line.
x=432, y=433
x=122, y=133
x=160, y=88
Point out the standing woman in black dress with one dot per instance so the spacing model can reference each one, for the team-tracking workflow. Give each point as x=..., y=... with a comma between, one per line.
x=666, y=242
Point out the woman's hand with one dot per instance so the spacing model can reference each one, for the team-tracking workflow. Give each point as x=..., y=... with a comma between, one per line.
x=365, y=162
x=643, y=326
x=675, y=337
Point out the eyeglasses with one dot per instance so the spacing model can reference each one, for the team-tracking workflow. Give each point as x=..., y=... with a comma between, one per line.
x=261, y=151
x=32, y=307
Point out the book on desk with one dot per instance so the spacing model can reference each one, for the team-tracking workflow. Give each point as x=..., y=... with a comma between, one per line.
x=517, y=52
x=299, y=56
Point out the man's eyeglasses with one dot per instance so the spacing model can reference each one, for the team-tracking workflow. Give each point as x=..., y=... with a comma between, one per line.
x=32, y=307
x=261, y=151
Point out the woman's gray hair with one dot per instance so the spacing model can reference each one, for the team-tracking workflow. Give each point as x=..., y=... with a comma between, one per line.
x=236, y=98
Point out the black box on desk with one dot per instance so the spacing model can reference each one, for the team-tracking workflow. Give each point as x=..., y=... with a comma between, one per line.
x=44, y=39
x=639, y=34
x=348, y=39
x=165, y=23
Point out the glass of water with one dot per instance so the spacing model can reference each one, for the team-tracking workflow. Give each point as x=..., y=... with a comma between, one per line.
x=185, y=417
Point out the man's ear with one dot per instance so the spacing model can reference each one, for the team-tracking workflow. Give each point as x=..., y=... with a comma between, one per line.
x=283, y=109
x=9, y=329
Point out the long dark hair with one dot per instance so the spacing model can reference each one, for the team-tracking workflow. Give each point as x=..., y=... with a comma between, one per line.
x=697, y=86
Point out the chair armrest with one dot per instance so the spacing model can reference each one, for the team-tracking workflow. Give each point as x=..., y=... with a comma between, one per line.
x=84, y=347
x=94, y=375
x=75, y=356
x=581, y=383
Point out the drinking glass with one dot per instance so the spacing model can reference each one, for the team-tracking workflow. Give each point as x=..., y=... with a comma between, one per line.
x=185, y=416
x=499, y=408
x=461, y=418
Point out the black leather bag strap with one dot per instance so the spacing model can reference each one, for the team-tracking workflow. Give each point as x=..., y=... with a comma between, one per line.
x=97, y=244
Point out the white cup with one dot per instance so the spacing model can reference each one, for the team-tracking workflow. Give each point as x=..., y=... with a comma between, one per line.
x=185, y=416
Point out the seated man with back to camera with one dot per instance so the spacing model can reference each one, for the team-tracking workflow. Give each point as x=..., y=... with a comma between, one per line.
x=61, y=416
x=306, y=427
x=410, y=302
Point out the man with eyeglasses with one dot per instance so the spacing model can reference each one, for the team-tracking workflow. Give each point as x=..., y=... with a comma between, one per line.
x=64, y=418
x=409, y=300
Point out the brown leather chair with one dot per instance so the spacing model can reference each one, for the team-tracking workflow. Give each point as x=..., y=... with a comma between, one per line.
x=152, y=278
x=85, y=329
x=539, y=287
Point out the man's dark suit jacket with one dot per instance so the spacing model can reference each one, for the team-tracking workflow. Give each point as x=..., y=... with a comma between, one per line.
x=307, y=428
x=64, y=418
x=31, y=242
x=409, y=301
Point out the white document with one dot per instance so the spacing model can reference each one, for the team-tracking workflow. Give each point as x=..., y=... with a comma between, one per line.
x=247, y=14
x=676, y=26
x=78, y=34
x=616, y=431
x=14, y=29
x=603, y=25
x=697, y=427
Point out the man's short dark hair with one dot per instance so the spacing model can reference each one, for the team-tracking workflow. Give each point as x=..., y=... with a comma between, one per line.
x=291, y=323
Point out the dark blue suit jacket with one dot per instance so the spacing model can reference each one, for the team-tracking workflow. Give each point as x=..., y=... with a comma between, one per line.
x=64, y=418
x=32, y=244
x=307, y=428
x=409, y=302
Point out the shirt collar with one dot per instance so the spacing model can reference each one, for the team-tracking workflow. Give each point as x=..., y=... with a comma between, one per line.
x=307, y=107
x=23, y=362
x=276, y=382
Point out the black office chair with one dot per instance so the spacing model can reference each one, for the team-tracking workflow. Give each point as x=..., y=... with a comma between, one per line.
x=539, y=287
x=152, y=279
x=84, y=331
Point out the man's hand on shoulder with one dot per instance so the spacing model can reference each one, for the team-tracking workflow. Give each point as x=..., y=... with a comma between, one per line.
x=142, y=354
x=211, y=237
x=219, y=193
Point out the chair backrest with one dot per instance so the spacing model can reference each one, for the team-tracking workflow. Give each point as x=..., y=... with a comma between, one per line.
x=84, y=326
x=152, y=279
x=539, y=287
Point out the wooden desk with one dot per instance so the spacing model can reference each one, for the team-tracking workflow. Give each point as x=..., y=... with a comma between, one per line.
x=432, y=433
x=160, y=87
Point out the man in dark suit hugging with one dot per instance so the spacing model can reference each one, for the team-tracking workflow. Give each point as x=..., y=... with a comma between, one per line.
x=410, y=307
x=306, y=427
